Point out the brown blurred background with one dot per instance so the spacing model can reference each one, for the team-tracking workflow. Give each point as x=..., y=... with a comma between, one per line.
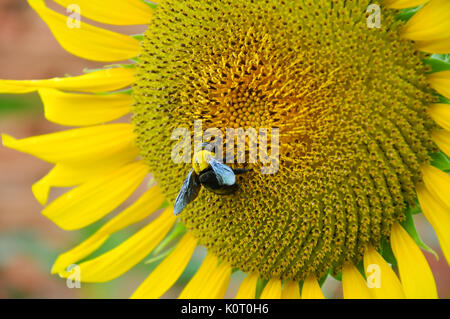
x=29, y=243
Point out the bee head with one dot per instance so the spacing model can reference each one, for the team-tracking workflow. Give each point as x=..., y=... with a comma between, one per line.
x=200, y=160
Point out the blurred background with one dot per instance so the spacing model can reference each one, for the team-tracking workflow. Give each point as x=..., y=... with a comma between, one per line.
x=29, y=242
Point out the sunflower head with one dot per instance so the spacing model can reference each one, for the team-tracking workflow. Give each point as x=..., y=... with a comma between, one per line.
x=354, y=116
x=353, y=132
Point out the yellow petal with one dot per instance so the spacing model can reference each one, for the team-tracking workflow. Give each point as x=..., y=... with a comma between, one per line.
x=311, y=289
x=401, y=4
x=440, y=81
x=99, y=81
x=441, y=46
x=290, y=290
x=73, y=109
x=168, y=271
x=438, y=216
x=430, y=27
x=440, y=113
x=216, y=285
x=385, y=284
x=196, y=284
x=442, y=139
x=247, y=290
x=78, y=147
x=117, y=12
x=354, y=285
x=272, y=290
x=67, y=176
x=87, y=41
x=94, y=199
x=122, y=258
x=415, y=274
x=438, y=183
x=147, y=204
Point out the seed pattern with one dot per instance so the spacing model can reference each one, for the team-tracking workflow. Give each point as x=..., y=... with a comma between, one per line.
x=350, y=103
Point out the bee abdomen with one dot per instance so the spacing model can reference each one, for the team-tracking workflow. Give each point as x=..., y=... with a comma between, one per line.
x=209, y=180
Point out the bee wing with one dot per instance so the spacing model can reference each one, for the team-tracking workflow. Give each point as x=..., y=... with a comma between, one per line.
x=224, y=174
x=188, y=192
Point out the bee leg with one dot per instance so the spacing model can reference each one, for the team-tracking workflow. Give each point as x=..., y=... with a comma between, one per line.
x=238, y=171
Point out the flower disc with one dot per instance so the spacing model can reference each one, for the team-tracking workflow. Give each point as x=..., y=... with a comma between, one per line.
x=349, y=101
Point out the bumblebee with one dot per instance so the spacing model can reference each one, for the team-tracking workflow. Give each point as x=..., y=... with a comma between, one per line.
x=209, y=172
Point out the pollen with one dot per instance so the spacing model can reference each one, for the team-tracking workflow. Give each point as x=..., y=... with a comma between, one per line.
x=349, y=102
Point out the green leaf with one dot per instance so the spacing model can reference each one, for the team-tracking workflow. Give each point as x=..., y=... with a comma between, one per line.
x=138, y=37
x=323, y=279
x=116, y=65
x=387, y=253
x=176, y=232
x=150, y=4
x=441, y=161
x=13, y=103
x=260, y=284
x=438, y=62
x=410, y=227
x=122, y=91
x=158, y=257
x=406, y=14
x=443, y=99
x=415, y=210
x=360, y=267
x=163, y=249
x=338, y=276
x=165, y=205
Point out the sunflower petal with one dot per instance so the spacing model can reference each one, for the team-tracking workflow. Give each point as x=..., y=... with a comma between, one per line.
x=403, y=4
x=168, y=271
x=72, y=109
x=147, y=204
x=438, y=183
x=216, y=285
x=272, y=290
x=290, y=290
x=387, y=285
x=91, y=201
x=434, y=46
x=311, y=289
x=353, y=284
x=440, y=113
x=80, y=146
x=430, y=27
x=87, y=41
x=66, y=176
x=247, y=290
x=440, y=81
x=122, y=258
x=95, y=82
x=415, y=274
x=438, y=216
x=442, y=139
x=197, y=282
x=119, y=12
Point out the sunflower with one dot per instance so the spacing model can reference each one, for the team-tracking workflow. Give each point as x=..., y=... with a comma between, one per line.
x=364, y=126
